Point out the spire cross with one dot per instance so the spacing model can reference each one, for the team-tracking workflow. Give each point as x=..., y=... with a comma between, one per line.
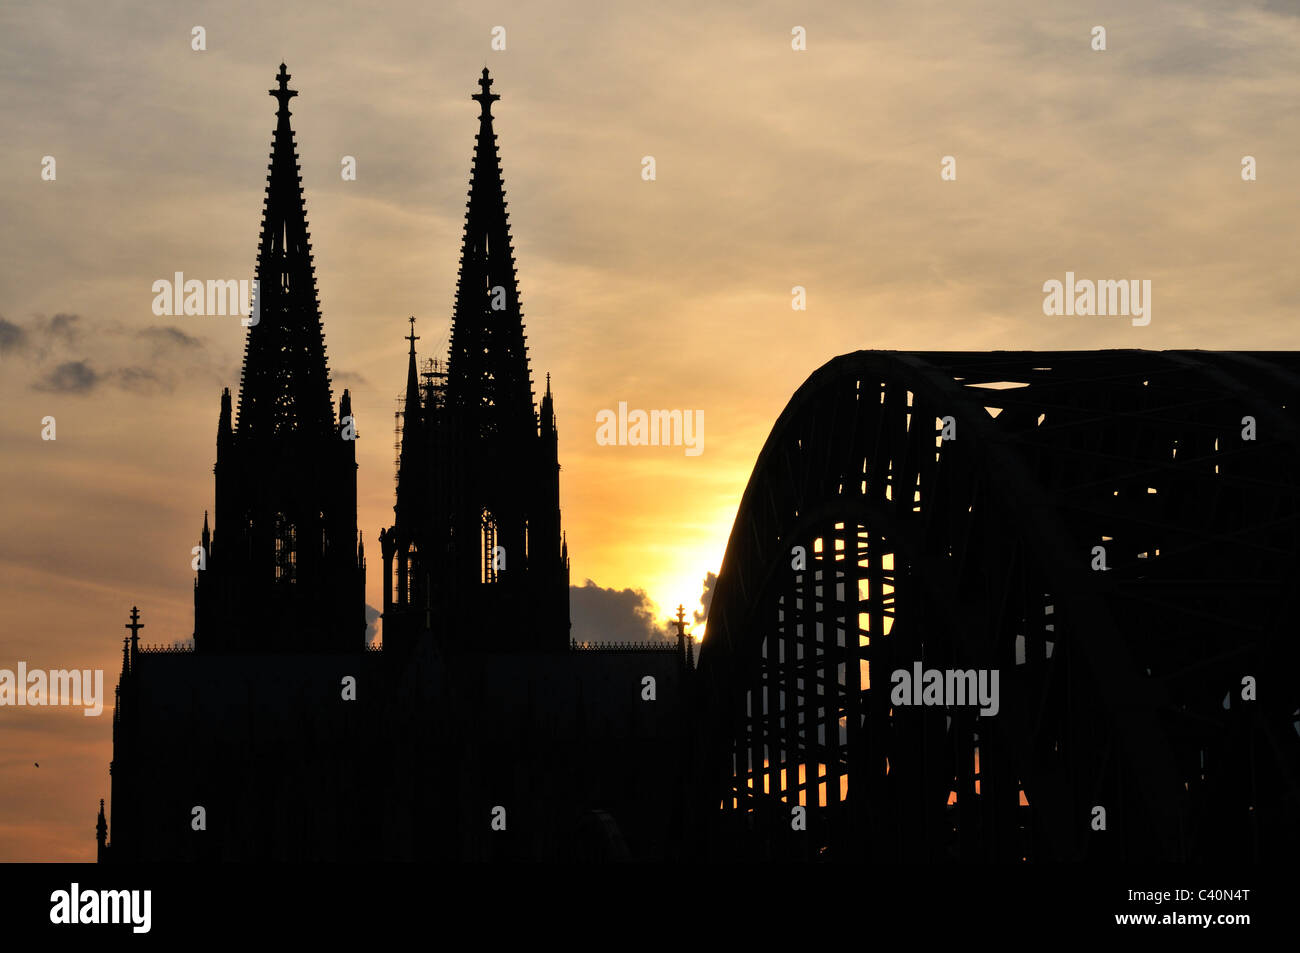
x=135, y=625
x=681, y=622
x=284, y=93
x=485, y=98
x=412, y=337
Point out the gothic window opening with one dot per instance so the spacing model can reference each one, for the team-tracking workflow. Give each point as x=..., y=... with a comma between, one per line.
x=286, y=550
x=489, y=536
x=412, y=561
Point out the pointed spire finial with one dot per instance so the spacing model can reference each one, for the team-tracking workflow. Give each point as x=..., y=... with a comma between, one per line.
x=681, y=631
x=412, y=337
x=284, y=93
x=485, y=98
x=135, y=626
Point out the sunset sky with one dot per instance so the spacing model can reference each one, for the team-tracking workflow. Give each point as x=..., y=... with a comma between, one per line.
x=775, y=168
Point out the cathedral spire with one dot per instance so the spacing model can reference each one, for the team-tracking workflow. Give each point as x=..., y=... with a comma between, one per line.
x=101, y=834
x=411, y=410
x=135, y=625
x=285, y=576
x=285, y=384
x=546, y=413
x=224, y=426
x=476, y=539
x=488, y=374
x=410, y=471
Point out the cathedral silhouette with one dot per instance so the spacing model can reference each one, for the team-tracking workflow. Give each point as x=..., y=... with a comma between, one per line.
x=479, y=730
x=1148, y=708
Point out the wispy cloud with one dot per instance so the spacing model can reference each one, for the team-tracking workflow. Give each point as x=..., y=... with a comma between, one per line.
x=56, y=346
x=65, y=328
x=166, y=337
x=142, y=380
x=70, y=377
x=349, y=379
x=13, y=337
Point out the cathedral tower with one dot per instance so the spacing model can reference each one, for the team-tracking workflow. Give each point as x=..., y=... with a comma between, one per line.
x=284, y=570
x=492, y=561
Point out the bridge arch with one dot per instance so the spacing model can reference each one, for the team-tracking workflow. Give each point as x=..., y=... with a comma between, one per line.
x=865, y=543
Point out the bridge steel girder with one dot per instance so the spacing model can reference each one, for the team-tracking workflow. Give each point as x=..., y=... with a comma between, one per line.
x=1120, y=689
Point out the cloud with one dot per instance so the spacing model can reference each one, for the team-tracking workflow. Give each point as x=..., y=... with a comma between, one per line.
x=176, y=359
x=63, y=327
x=613, y=615
x=64, y=335
x=169, y=337
x=349, y=379
x=45, y=334
x=142, y=380
x=12, y=336
x=706, y=598
x=1280, y=7
x=372, y=615
x=70, y=377
x=175, y=354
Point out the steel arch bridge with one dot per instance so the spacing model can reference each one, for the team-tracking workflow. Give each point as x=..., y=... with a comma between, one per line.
x=954, y=510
